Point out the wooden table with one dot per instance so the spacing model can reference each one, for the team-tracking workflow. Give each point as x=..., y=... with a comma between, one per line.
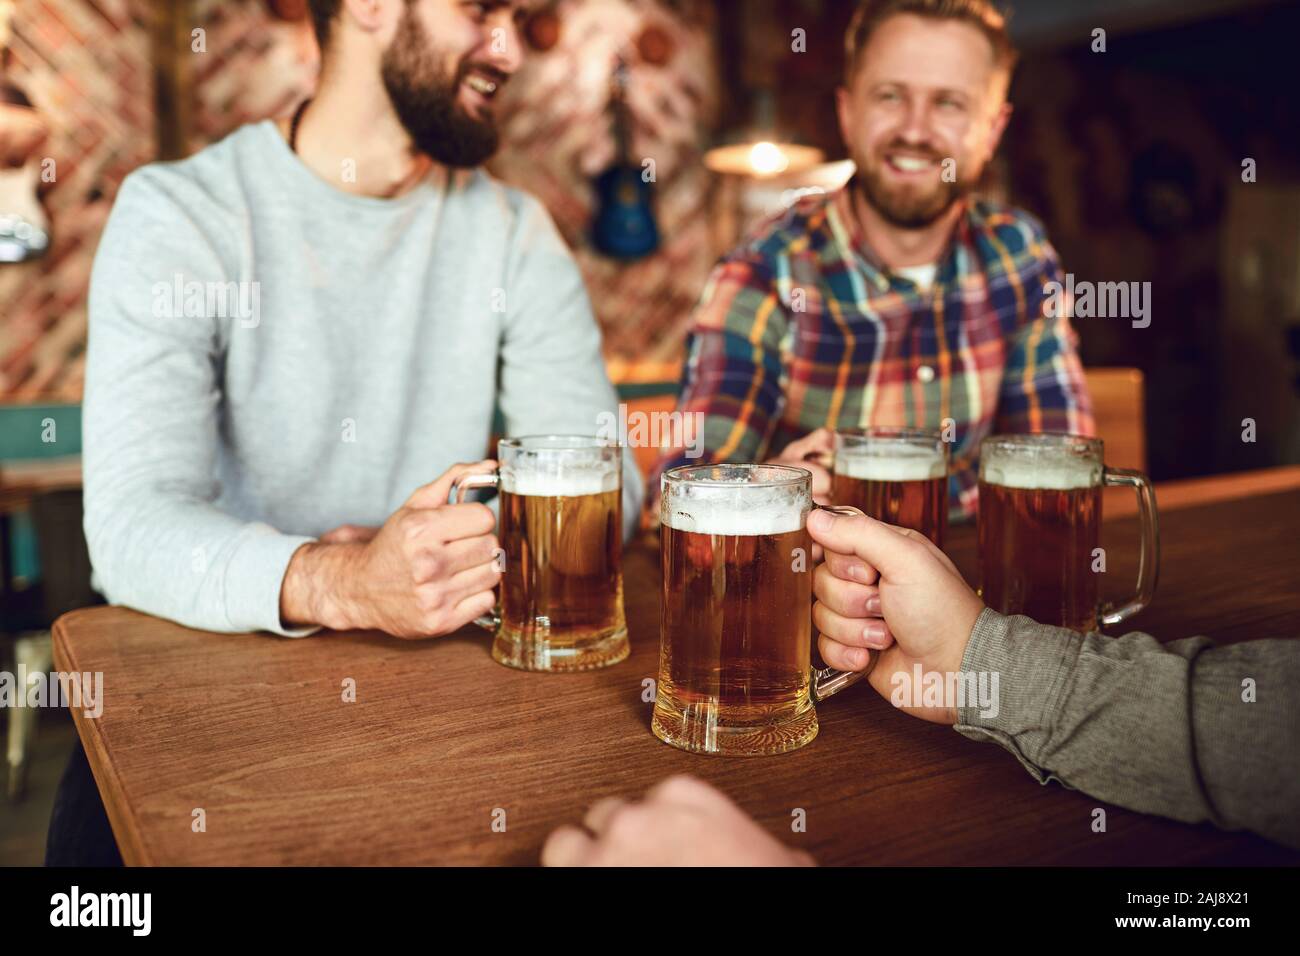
x=253, y=730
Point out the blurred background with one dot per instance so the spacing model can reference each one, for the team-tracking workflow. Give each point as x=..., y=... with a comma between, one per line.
x=1132, y=157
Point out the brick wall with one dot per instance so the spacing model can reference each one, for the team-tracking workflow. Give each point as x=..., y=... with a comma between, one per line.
x=86, y=67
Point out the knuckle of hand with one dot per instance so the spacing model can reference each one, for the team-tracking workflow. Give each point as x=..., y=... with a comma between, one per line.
x=434, y=566
x=915, y=547
x=431, y=600
x=411, y=523
x=627, y=824
x=424, y=569
x=681, y=785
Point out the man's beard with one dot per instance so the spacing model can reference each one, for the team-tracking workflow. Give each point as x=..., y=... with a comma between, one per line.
x=910, y=208
x=426, y=101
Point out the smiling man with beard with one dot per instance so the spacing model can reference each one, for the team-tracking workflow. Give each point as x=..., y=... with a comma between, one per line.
x=901, y=299
x=277, y=469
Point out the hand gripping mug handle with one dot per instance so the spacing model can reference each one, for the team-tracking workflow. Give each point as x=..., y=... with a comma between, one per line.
x=827, y=681
x=492, y=620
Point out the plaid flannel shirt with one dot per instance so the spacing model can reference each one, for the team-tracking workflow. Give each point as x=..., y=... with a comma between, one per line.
x=803, y=327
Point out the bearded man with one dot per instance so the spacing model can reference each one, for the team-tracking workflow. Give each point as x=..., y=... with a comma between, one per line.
x=901, y=299
x=376, y=297
x=296, y=330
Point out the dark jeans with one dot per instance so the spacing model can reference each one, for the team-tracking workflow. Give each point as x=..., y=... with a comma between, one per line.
x=80, y=834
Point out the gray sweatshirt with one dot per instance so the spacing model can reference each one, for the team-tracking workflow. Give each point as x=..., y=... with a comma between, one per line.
x=1188, y=729
x=270, y=357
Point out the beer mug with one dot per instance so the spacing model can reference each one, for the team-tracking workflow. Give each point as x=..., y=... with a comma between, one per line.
x=895, y=475
x=1040, y=530
x=735, y=671
x=561, y=531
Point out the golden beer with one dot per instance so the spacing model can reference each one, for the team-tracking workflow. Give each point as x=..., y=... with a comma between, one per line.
x=1037, y=546
x=563, y=582
x=736, y=636
x=1040, y=529
x=561, y=531
x=895, y=475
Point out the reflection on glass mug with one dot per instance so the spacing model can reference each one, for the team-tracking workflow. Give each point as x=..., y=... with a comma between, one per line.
x=561, y=528
x=735, y=674
x=1040, y=530
x=896, y=475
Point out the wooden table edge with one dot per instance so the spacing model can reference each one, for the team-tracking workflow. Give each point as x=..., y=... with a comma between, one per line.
x=1197, y=492
x=129, y=837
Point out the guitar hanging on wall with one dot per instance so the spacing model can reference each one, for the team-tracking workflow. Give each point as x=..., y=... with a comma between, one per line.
x=624, y=224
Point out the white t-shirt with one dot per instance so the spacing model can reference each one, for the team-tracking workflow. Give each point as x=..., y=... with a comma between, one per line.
x=923, y=276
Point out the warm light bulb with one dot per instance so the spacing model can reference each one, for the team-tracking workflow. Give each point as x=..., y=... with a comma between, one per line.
x=767, y=159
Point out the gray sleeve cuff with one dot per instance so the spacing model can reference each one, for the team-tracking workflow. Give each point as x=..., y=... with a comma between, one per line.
x=1027, y=664
x=253, y=578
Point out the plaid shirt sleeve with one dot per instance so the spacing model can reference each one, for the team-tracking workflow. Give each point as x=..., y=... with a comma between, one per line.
x=1043, y=386
x=732, y=384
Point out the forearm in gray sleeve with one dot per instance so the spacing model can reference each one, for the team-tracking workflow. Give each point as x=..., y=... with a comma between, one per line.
x=157, y=541
x=1186, y=730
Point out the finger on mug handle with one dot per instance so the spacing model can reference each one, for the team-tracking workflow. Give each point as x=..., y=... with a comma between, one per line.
x=850, y=567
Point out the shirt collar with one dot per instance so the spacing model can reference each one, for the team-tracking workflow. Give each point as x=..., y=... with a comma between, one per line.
x=844, y=225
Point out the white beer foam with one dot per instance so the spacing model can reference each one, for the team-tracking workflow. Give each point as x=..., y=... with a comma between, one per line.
x=1045, y=473
x=571, y=484
x=912, y=465
x=732, y=517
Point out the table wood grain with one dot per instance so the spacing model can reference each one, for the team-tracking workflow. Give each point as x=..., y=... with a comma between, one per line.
x=253, y=730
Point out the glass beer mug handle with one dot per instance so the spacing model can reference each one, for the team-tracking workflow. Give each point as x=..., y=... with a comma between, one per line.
x=492, y=620
x=469, y=482
x=827, y=681
x=1149, y=555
